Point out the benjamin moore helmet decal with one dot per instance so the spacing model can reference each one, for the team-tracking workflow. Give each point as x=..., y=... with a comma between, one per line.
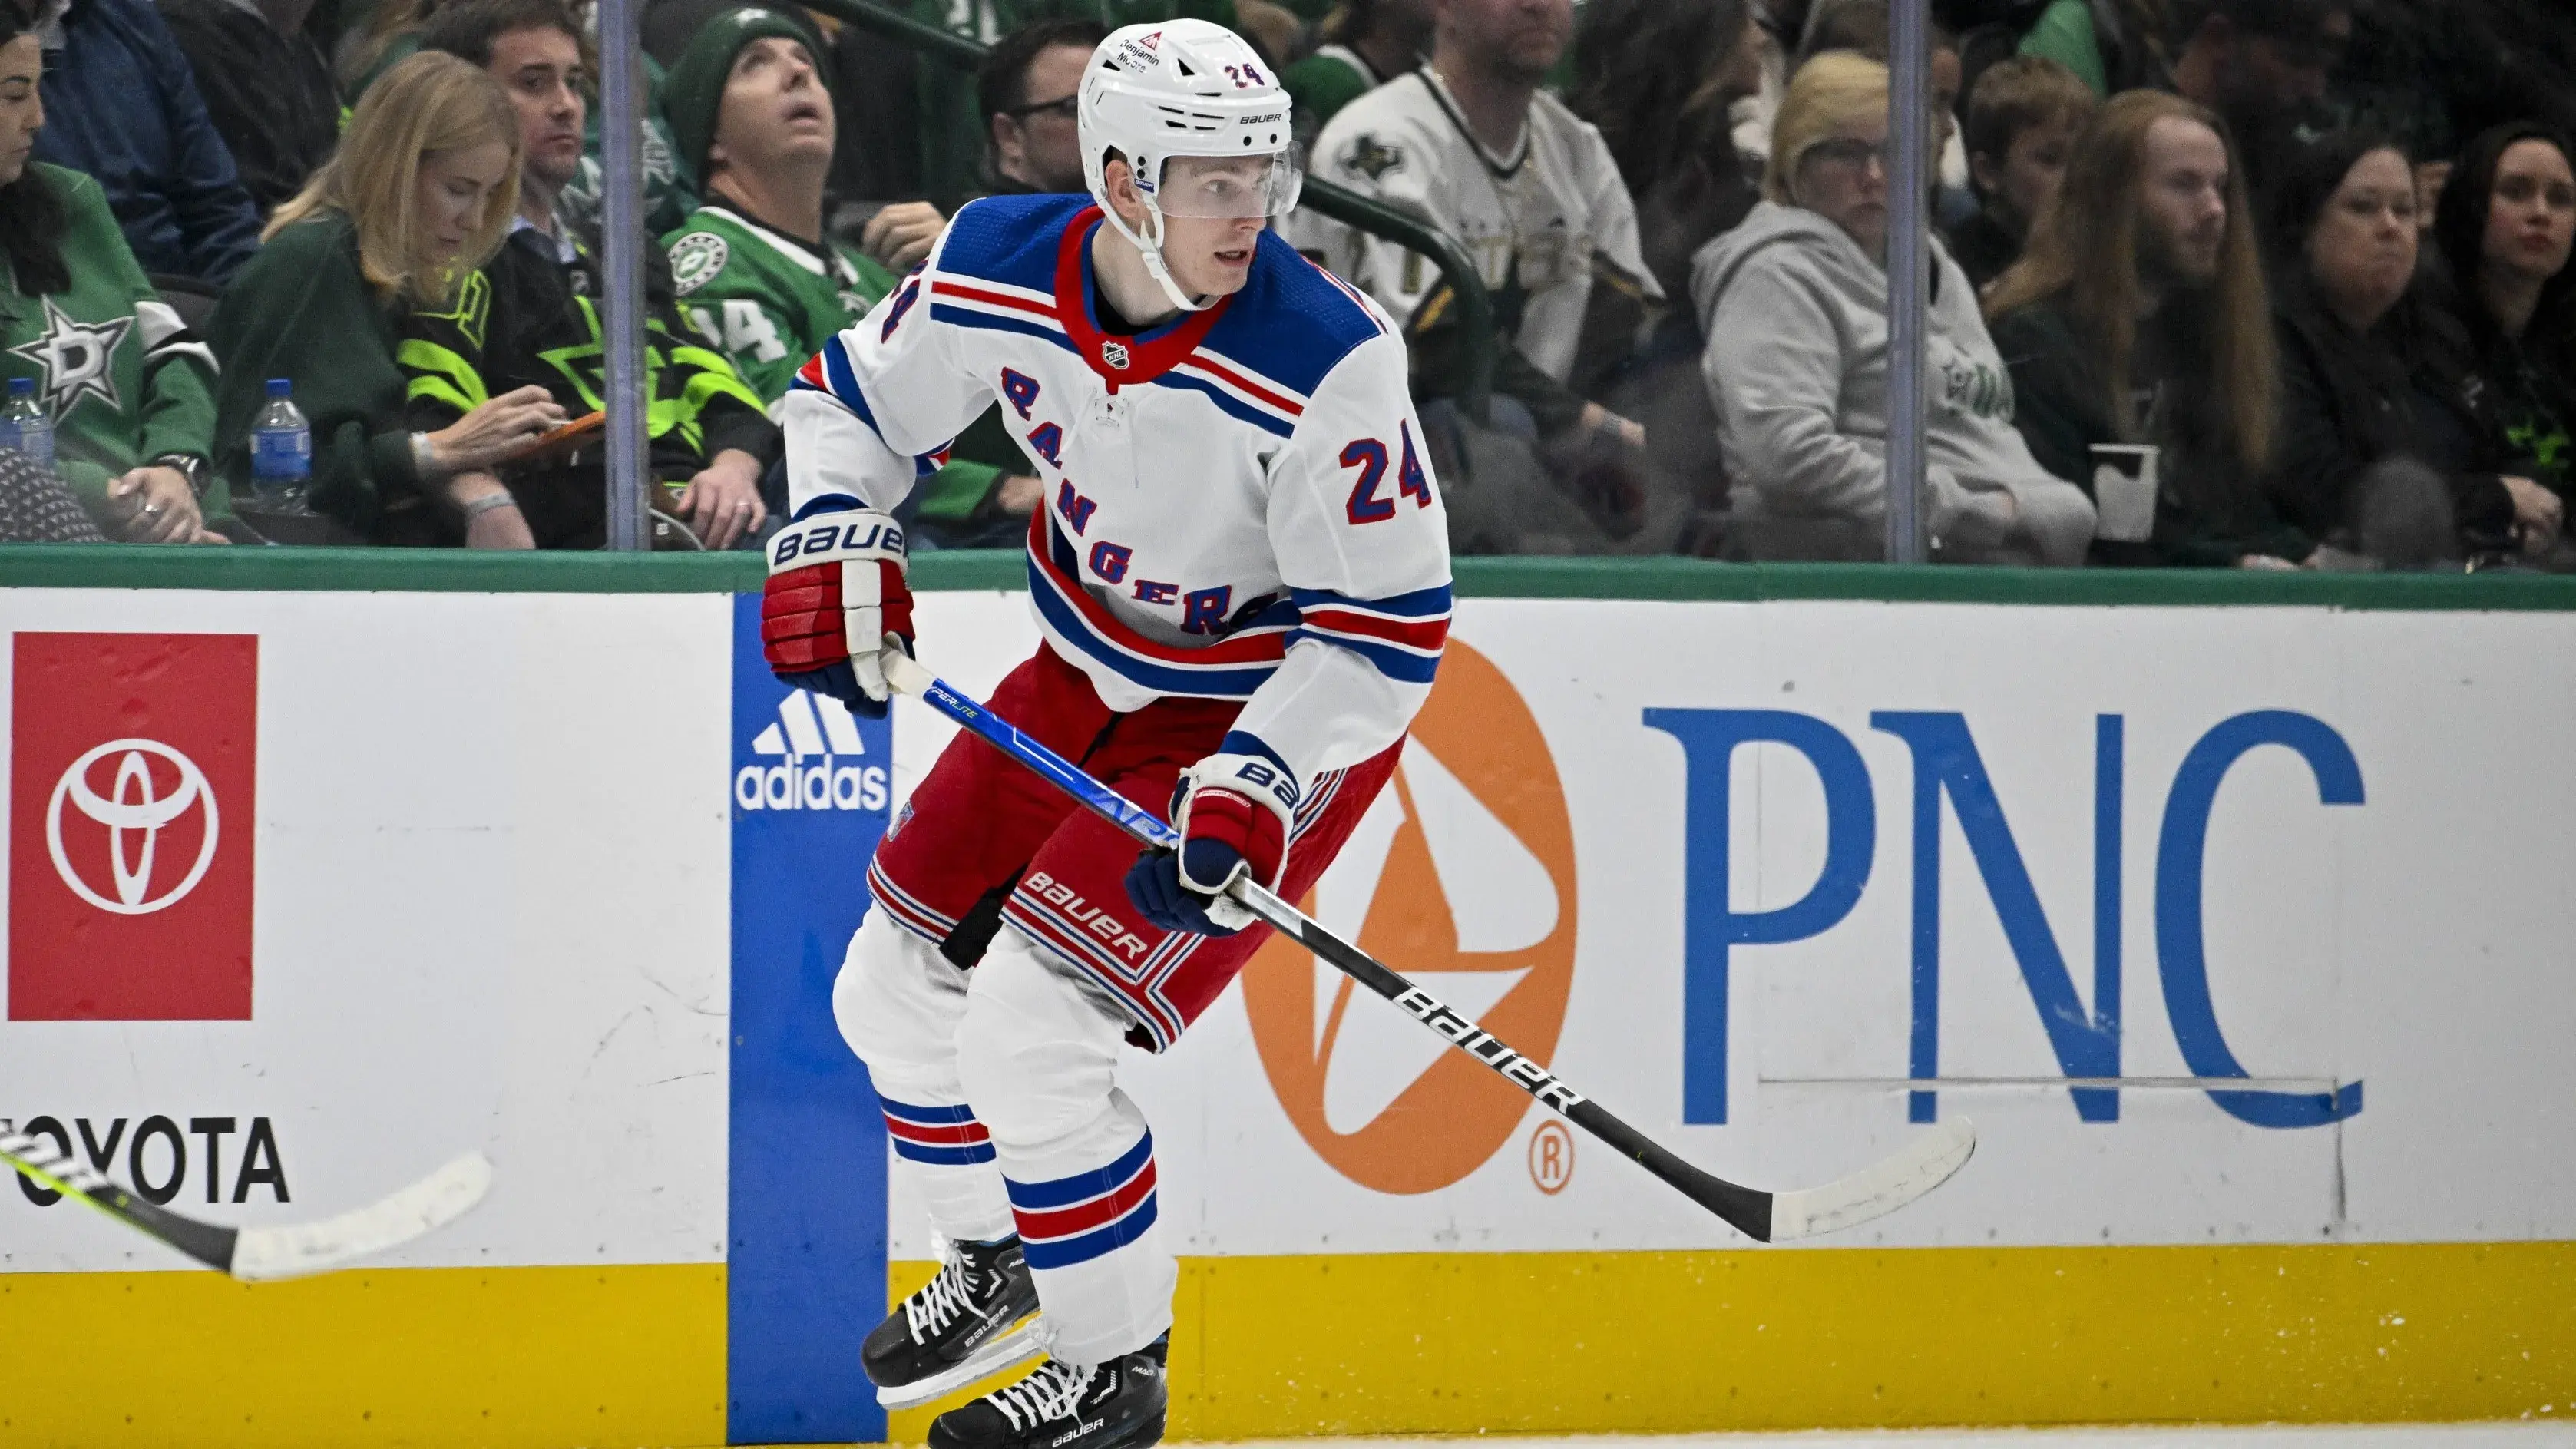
x=1462, y=876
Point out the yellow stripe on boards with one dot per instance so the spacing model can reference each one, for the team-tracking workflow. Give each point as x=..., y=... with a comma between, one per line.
x=449, y=1357
x=1559, y=1343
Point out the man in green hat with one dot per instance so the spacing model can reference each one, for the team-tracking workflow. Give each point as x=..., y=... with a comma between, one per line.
x=756, y=276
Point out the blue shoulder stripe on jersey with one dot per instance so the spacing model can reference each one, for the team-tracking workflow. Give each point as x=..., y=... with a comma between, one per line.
x=1420, y=604
x=1009, y=239
x=968, y=317
x=1394, y=663
x=1082, y=1186
x=1289, y=323
x=1227, y=403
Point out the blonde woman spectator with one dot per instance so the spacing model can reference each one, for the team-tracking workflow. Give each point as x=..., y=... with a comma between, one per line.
x=1794, y=303
x=419, y=195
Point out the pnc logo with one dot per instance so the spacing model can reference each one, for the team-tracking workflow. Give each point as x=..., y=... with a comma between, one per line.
x=1461, y=875
x=138, y=805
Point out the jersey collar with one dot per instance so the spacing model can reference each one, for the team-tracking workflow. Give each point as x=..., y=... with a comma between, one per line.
x=1120, y=361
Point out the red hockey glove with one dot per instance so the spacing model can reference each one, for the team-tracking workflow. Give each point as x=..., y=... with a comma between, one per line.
x=1234, y=813
x=836, y=594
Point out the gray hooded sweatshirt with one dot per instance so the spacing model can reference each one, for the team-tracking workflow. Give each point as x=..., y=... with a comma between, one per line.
x=1796, y=317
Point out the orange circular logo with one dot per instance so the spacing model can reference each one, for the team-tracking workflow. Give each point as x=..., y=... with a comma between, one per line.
x=1461, y=877
x=1551, y=1157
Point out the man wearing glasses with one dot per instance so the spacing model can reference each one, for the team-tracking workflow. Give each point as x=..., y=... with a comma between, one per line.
x=1026, y=89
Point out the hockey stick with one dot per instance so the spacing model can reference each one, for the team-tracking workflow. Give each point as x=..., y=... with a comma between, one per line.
x=1770, y=1217
x=259, y=1255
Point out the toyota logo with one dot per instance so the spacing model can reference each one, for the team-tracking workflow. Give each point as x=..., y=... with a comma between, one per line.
x=131, y=808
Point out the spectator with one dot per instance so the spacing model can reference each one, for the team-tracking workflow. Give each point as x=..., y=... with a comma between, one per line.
x=2504, y=228
x=267, y=87
x=125, y=112
x=1862, y=26
x=2110, y=45
x=2262, y=65
x=753, y=272
x=1025, y=91
x=533, y=317
x=1659, y=78
x=2353, y=328
x=2022, y=121
x=2138, y=315
x=1366, y=43
x=1473, y=145
x=420, y=191
x=1794, y=303
x=127, y=386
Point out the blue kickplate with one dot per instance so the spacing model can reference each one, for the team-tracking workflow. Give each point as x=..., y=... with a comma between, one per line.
x=806, y=1267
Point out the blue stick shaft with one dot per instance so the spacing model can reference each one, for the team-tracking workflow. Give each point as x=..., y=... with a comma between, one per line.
x=1060, y=772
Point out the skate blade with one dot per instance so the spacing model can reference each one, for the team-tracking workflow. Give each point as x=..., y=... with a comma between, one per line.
x=1009, y=1351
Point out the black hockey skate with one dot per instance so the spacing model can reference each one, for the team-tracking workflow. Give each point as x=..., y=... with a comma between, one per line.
x=1115, y=1405
x=970, y=1322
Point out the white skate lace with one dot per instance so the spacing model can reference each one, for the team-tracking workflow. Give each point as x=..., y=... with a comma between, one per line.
x=934, y=1307
x=1053, y=1392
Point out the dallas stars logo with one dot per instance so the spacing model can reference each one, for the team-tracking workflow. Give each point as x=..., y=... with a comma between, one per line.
x=77, y=359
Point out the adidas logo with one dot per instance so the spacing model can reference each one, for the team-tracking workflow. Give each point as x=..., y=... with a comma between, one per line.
x=811, y=739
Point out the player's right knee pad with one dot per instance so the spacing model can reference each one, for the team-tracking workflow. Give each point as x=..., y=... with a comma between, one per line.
x=898, y=1002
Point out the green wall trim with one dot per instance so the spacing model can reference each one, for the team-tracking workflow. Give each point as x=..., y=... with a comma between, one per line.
x=34, y=566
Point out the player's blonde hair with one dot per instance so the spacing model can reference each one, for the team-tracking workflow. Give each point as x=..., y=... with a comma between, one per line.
x=430, y=103
x=1837, y=88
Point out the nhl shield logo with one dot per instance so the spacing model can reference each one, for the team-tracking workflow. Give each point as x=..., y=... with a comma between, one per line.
x=1115, y=354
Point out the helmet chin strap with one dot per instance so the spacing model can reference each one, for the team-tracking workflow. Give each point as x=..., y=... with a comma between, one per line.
x=1152, y=252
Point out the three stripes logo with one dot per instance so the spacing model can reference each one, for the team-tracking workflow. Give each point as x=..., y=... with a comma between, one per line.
x=820, y=761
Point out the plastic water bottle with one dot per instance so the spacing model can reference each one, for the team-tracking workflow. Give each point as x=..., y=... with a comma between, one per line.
x=281, y=450
x=25, y=427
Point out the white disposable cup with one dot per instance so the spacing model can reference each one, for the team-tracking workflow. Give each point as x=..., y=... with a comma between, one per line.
x=2124, y=491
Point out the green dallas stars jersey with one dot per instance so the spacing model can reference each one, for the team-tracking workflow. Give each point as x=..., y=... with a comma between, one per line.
x=122, y=377
x=768, y=302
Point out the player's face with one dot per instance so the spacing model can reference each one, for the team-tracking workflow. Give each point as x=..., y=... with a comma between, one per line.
x=774, y=108
x=1214, y=211
x=452, y=191
x=541, y=69
x=22, y=112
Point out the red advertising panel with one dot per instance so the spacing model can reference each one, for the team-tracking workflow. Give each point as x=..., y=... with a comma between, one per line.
x=133, y=776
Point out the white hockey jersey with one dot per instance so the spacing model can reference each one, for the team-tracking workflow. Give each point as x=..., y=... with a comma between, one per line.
x=1238, y=503
x=1535, y=218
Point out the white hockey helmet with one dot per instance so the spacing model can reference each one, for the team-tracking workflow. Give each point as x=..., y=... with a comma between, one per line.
x=1181, y=89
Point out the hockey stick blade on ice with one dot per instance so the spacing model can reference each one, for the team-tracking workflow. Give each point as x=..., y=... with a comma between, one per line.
x=1770, y=1217
x=260, y=1255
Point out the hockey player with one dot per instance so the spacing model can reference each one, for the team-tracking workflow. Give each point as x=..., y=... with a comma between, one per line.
x=1242, y=579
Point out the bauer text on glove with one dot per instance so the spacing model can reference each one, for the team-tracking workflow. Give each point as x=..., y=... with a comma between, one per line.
x=836, y=594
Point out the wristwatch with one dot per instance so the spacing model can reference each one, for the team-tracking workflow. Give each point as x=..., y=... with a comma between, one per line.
x=190, y=466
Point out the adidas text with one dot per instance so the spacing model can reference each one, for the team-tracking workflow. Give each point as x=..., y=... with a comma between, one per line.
x=1534, y=1079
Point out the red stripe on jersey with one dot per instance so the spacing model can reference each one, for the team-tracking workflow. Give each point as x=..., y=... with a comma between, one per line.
x=1424, y=634
x=952, y=288
x=961, y=1134
x=1290, y=406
